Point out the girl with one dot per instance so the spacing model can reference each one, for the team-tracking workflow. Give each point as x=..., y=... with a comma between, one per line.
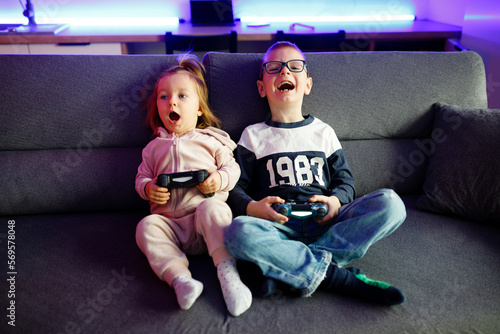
x=183, y=220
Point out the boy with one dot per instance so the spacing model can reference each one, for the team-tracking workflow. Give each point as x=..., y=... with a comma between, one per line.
x=295, y=158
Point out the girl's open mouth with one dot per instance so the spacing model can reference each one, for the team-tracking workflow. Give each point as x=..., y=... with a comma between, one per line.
x=174, y=116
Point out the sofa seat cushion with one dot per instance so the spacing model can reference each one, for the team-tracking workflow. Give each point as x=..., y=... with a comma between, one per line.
x=462, y=176
x=84, y=273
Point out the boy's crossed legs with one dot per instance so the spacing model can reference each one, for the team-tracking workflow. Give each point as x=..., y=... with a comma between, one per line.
x=307, y=267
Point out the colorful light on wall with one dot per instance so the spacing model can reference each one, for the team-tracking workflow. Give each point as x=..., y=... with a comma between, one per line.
x=161, y=12
x=326, y=19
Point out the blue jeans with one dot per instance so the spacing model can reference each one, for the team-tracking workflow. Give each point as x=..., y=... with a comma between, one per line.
x=299, y=252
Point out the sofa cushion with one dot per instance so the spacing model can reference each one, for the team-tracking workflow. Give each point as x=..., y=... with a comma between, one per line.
x=83, y=273
x=72, y=180
x=380, y=104
x=462, y=176
x=362, y=95
x=74, y=101
x=385, y=163
x=73, y=130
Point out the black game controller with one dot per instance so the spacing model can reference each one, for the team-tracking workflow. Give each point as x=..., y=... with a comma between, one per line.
x=183, y=179
x=303, y=210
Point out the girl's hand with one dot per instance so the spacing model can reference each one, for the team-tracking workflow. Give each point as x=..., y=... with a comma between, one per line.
x=212, y=184
x=263, y=209
x=156, y=194
x=333, y=207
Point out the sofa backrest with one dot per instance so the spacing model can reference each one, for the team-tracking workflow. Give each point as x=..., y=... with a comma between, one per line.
x=72, y=128
x=72, y=131
x=379, y=103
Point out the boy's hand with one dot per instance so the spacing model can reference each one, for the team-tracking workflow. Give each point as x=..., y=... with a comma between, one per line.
x=212, y=184
x=263, y=209
x=156, y=194
x=333, y=207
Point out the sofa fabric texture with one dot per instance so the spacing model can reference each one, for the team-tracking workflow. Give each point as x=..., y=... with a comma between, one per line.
x=72, y=132
x=463, y=175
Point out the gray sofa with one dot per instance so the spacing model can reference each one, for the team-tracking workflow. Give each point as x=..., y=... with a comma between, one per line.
x=71, y=134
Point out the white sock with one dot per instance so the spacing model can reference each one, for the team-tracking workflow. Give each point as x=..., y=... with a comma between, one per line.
x=187, y=290
x=237, y=296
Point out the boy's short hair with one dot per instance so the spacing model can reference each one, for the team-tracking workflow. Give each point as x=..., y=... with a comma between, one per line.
x=282, y=44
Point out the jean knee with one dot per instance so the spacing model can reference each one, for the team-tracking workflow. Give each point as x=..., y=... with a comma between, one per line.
x=393, y=204
x=237, y=231
x=233, y=229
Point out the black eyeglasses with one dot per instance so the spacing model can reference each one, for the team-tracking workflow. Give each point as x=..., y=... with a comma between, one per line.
x=273, y=67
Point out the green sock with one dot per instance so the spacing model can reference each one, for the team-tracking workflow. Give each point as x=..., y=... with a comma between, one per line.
x=352, y=281
x=372, y=282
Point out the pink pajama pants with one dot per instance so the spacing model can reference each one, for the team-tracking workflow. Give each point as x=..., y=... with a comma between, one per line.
x=166, y=241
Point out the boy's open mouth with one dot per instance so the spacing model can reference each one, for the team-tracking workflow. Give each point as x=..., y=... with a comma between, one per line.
x=285, y=86
x=174, y=116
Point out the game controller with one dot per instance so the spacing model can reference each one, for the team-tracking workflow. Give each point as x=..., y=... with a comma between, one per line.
x=302, y=210
x=183, y=179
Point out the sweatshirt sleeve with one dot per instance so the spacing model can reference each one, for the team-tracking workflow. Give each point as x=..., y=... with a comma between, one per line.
x=227, y=167
x=342, y=180
x=239, y=198
x=144, y=174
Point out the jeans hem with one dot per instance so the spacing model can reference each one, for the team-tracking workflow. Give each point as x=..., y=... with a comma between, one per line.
x=326, y=259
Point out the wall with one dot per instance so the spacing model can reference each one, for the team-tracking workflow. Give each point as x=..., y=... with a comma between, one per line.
x=481, y=33
x=50, y=9
x=480, y=19
x=446, y=11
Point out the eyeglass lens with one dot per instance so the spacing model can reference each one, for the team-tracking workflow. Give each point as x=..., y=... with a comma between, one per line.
x=276, y=66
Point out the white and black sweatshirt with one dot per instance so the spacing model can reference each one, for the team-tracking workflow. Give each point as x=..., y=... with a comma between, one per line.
x=291, y=160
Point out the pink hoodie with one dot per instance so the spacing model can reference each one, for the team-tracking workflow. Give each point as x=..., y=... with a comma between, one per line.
x=210, y=149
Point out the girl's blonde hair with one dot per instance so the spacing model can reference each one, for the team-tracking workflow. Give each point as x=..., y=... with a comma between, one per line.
x=190, y=65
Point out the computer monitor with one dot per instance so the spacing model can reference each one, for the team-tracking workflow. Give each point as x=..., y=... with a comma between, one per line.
x=211, y=12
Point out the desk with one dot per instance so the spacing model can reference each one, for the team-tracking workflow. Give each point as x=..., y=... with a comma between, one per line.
x=358, y=33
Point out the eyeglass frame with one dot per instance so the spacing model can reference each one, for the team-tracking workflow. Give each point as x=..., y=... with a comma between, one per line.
x=283, y=64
